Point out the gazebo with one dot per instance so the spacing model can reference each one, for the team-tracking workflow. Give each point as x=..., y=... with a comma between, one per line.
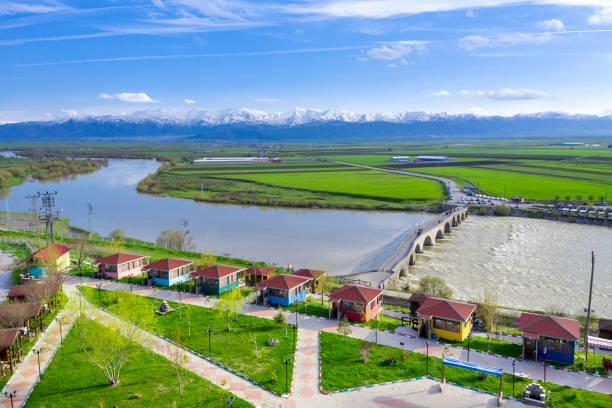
x=255, y=274
x=549, y=338
x=11, y=349
x=314, y=276
x=356, y=302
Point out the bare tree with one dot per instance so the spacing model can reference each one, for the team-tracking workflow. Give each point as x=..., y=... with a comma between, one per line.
x=175, y=239
x=228, y=304
x=326, y=284
x=487, y=308
x=178, y=357
x=82, y=249
x=109, y=350
x=364, y=350
x=15, y=315
x=344, y=328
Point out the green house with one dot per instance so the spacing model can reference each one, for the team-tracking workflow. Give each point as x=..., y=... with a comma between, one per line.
x=216, y=279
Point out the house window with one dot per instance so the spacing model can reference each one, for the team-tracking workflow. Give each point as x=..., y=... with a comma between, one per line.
x=447, y=325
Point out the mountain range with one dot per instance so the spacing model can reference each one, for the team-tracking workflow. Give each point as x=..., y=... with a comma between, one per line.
x=306, y=125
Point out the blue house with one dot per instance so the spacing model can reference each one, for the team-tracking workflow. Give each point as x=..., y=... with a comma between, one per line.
x=282, y=290
x=216, y=279
x=168, y=272
x=549, y=338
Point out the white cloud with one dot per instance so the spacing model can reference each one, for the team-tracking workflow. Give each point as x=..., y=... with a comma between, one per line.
x=266, y=100
x=465, y=92
x=189, y=101
x=442, y=92
x=472, y=42
x=553, y=24
x=507, y=94
x=603, y=16
x=9, y=8
x=396, y=50
x=136, y=97
x=470, y=13
x=70, y=112
x=362, y=59
x=478, y=111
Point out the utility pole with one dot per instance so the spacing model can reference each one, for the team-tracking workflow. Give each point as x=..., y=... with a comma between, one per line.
x=588, y=321
x=48, y=202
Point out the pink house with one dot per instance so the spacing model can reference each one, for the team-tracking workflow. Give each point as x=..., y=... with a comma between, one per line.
x=119, y=266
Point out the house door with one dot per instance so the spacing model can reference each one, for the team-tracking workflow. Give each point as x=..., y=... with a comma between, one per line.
x=530, y=348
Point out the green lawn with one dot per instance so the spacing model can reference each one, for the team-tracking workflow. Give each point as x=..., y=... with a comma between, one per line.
x=501, y=347
x=147, y=380
x=313, y=307
x=343, y=368
x=234, y=349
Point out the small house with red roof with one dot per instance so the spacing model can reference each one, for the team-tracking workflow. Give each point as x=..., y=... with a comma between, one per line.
x=355, y=302
x=119, y=266
x=255, y=274
x=168, y=272
x=216, y=279
x=11, y=349
x=282, y=290
x=445, y=319
x=314, y=276
x=549, y=338
x=53, y=254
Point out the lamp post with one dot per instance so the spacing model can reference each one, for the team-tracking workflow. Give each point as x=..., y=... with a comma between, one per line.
x=469, y=337
x=209, y=331
x=427, y=345
x=11, y=395
x=544, y=357
x=38, y=351
x=59, y=321
x=99, y=286
x=513, y=371
x=286, y=362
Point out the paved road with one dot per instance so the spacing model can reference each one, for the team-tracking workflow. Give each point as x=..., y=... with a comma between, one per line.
x=6, y=276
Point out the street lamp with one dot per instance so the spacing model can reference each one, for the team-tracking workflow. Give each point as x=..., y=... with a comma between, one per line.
x=11, y=395
x=209, y=331
x=286, y=363
x=544, y=357
x=38, y=351
x=99, y=286
x=469, y=337
x=59, y=320
x=513, y=371
x=427, y=345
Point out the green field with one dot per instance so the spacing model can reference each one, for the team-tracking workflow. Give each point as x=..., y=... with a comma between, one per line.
x=147, y=380
x=235, y=349
x=342, y=367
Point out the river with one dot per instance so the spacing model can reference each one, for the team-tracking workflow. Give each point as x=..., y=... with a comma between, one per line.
x=336, y=241
x=534, y=263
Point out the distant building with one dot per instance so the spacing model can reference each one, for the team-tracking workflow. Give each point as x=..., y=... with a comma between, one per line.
x=216, y=279
x=445, y=319
x=432, y=158
x=38, y=262
x=119, y=266
x=282, y=290
x=568, y=144
x=168, y=272
x=231, y=160
x=401, y=159
x=355, y=302
x=518, y=199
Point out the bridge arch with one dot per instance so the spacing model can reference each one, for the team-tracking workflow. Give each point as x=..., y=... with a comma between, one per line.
x=418, y=249
x=463, y=215
x=439, y=234
x=454, y=221
x=428, y=241
x=447, y=227
x=411, y=261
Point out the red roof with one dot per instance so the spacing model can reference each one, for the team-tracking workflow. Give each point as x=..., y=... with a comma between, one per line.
x=283, y=281
x=257, y=270
x=168, y=264
x=8, y=337
x=55, y=248
x=215, y=271
x=34, y=288
x=446, y=309
x=309, y=273
x=549, y=326
x=26, y=310
x=355, y=293
x=118, y=259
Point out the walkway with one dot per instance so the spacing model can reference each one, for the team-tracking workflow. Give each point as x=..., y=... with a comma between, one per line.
x=528, y=369
x=25, y=377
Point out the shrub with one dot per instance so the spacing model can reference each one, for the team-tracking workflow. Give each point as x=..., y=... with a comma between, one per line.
x=501, y=210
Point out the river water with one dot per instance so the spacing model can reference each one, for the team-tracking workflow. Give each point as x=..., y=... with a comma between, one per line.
x=534, y=264
x=336, y=241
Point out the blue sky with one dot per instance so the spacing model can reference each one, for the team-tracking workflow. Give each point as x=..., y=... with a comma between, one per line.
x=63, y=58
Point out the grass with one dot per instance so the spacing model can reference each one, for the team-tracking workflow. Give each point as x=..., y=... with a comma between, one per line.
x=595, y=360
x=234, y=349
x=343, y=368
x=147, y=380
x=501, y=347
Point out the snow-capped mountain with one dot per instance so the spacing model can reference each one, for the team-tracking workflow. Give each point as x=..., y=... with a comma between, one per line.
x=307, y=124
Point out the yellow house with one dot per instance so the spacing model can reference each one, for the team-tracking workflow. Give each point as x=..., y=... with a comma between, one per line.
x=446, y=319
x=56, y=254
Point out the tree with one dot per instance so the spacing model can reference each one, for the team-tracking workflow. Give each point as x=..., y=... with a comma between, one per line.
x=175, y=239
x=326, y=284
x=109, y=350
x=81, y=249
x=502, y=210
x=578, y=197
x=14, y=315
x=434, y=286
x=601, y=199
x=487, y=308
x=590, y=197
x=567, y=198
x=344, y=328
x=227, y=304
x=117, y=235
x=178, y=357
x=364, y=351
x=280, y=319
x=207, y=259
